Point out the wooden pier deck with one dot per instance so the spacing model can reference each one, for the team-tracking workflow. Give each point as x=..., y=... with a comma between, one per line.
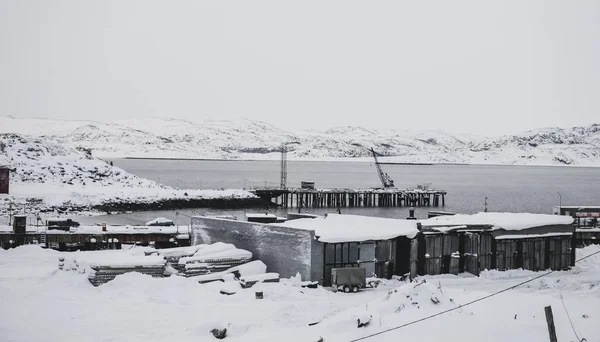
x=349, y=198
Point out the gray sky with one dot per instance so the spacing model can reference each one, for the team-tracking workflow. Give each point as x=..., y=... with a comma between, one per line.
x=459, y=66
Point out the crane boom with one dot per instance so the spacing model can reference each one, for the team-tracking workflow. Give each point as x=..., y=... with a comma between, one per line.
x=386, y=181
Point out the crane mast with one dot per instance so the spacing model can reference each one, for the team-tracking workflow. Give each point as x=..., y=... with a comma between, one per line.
x=386, y=181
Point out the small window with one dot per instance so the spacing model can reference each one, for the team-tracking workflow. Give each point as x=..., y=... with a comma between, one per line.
x=344, y=252
x=353, y=252
x=329, y=253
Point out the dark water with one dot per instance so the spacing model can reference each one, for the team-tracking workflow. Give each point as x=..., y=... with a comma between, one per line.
x=508, y=188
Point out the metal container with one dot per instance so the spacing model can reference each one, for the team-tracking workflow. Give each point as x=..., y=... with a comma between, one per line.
x=307, y=185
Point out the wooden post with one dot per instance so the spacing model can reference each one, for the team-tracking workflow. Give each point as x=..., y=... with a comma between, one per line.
x=550, y=322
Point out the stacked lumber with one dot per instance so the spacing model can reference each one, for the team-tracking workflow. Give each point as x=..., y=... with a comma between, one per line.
x=210, y=259
x=209, y=266
x=103, y=274
x=104, y=266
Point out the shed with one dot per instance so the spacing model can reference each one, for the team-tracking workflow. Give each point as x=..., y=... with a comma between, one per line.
x=4, y=179
x=584, y=215
x=504, y=241
x=380, y=245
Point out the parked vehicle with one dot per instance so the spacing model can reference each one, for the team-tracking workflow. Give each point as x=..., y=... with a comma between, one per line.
x=349, y=279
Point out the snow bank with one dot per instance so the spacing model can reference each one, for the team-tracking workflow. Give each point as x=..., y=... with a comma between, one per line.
x=354, y=228
x=506, y=221
x=83, y=261
x=252, y=268
x=408, y=302
x=259, y=277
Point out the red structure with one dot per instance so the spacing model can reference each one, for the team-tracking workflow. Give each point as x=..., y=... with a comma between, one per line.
x=4, y=179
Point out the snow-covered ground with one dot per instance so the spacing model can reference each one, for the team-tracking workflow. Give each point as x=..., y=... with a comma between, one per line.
x=40, y=303
x=254, y=140
x=48, y=175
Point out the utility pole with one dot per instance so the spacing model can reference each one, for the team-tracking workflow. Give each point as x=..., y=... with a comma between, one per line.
x=550, y=323
x=283, y=183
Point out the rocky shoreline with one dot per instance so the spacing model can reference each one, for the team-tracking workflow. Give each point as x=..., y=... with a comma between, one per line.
x=169, y=204
x=33, y=206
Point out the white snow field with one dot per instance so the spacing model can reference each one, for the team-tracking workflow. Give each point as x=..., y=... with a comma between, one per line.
x=40, y=303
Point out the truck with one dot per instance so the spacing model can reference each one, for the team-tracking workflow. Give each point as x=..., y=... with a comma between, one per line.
x=348, y=279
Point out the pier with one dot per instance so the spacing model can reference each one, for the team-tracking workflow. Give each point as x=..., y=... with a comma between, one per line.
x=348, y=198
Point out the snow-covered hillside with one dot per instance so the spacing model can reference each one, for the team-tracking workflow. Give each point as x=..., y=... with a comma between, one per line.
x=246, y=139
x=46, y=175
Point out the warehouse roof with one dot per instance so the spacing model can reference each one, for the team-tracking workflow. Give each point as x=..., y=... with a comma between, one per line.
x=353, y=228
x=506, y=221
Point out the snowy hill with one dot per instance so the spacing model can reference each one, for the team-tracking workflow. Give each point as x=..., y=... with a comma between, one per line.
x=47, y=175
x=247, y=139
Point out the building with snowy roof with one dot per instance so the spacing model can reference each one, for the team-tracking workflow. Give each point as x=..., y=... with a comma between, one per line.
x=313, y=246
x=502, y=241
x=388, y=247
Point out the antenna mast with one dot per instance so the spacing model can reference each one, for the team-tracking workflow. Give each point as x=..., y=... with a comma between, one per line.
x=283, y=183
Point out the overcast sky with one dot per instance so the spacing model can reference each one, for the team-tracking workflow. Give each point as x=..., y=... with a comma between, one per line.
x=459, y=66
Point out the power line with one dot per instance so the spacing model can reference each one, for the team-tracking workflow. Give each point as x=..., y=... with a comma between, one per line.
x=570, y=321
x=463, y=305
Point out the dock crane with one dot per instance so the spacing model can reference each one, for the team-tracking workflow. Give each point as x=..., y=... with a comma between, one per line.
x=386, y=181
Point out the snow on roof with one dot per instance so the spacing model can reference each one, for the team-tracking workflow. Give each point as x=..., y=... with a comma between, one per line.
x=353, y=228
x=444, y=228
x=506, y=221
x=123, y=230
x=504, y=237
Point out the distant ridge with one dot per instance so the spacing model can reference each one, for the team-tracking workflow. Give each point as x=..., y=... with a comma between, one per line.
x=255, y=140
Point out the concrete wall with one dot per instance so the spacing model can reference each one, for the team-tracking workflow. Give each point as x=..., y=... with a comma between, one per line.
x=317, y=257
x=284, y=250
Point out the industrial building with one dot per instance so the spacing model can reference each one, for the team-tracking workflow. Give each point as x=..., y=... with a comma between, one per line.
x=388, y=247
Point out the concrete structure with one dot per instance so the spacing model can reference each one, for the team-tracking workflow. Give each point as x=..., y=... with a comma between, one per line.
x=284, y=250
